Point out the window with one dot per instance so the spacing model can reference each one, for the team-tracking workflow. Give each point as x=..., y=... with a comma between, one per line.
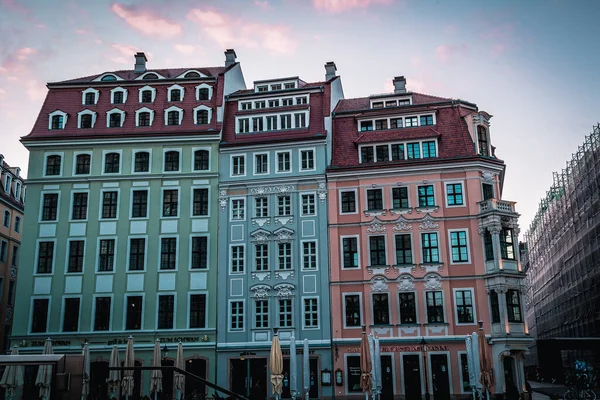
x=507, y=247
x=15, y=256
x=168, y=253
x=3, y=250
x=283, y=162
x=396, y=123
x=53, y=165
x=435, y=307
x=142, y=162
x=311, y=313
x=238, y=167
x=262, y=257
x=410, y=121
x=301, y=100
x=236, y=319
x=71, y=315
x=276, y=86
x=257, y=124
x=381, y=124
x=50, y=207
x=350, y=252
x=391, y=103
x=352, y=310
x=57, y=121
x=175, y=95
x=408, y=308
x=367, y=154
x=429, y=244
x=202, y=117
x=134, y=312
x=80, y=202
x=147, y=96
x=166, y=310
x=426, y=120
x=111, y=163
x=246, y=105
x=348, y=200
x=285, y=313
x=144, y=119
x=82, y=164
x=243, y=125
x=374, y=199
x=458, y=246
x=300, y=120
x=107, y=255
x=482, y=138
x=261, y=164
x=429, y=149
x=11, y=293
x=513, y=306
x=17, y=224
x=309, y=255
x=102, y=314
x=397, y=151
x=403, y=250
x=307, y=160
x=39, y=316
x=76, y=249
x=262, y=88
x=109, y=204
x=284, y=260
x=464, y=367
x=271, y=122
x=203, y=94
x=381, y=309
x=308, y=204
x=377, y=104
x=382, y=153
x=488, y=245
x=237, y=259
x=201, y=160
x=118, y=97
x=170, y=203
x=366, y=126
x=45, y=257
x=261, y=207
x=198, y=311
x=200, y=202
x=274, y=103
x=495, y=306
x=139, y=204
x=488, y=191
x=173, y=117
x=454, y=194
x=199, y=252
x=137, y=254
x=426, y=196
x=400, y=197
x=114, y=120
x=377, y=250
x=262, y=314
x=238, y=209
x=86, y=121
x=287, y=102
x=6, y=221
x=464, y=306
x=284, y=206
x=90, y=98
x=171, y=161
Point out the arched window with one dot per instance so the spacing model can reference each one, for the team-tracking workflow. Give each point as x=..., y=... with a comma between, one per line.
x=482, y=137
x=150, y=76
x=57, y=121
x=201, y=160
x=112, y=163
x=192, y=75
x=173, y=118
x=114, y=120
x=53, y=165
x=202, y=117
x=142, y=162
x=203, y=94
x=82, y=164
x=175, y=95
x=6, y=221
x=144, y=119
x=86, y=121
x=108, y=78
x=17, y=224
x=171, y=161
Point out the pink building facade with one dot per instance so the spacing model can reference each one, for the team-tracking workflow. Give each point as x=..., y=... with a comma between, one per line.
x=421, y=246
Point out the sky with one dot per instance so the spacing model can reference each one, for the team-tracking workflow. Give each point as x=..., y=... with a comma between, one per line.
x=534, y=65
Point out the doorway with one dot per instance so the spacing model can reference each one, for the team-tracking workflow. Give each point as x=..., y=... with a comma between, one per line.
x=509, y=375
x=98, y=376
x=167, y=377
x=195, y=366
x=412, y=376
x=249, y=377
x=387, y=378
x=439, y=377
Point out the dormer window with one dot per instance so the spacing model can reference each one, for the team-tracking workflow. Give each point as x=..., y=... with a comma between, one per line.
x=397, y=151
x=118, y=95
x=58, y=120
x=173, y=116
x=115, y=118
x=482, y=139
x=276, y=86
x=203, y=94
x=247, y=105
x=290, y=85
x=287, y=102
x=118, y=98
x=391, y=103
x=7, y=184
x=175, y=93
x=192, y=75
x=378, y=104
x=108, y=78
x=86, y=119
x=144, y=117
x=366, y=126
x=147, y=94
x=202, y=115
x=150, y=76
x=90, y=96
x=262, y=88
x=426, y=120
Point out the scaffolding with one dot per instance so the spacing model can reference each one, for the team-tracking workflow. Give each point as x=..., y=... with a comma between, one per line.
x=563, y=245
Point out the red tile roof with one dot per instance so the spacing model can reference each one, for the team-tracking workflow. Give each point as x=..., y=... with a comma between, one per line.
x=364, y=103
x=281, y=92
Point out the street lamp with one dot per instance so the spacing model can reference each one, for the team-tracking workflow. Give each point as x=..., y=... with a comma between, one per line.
x=165, y=352
x=424, y=350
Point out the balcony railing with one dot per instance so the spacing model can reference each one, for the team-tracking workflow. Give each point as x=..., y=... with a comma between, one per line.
x=496, y=205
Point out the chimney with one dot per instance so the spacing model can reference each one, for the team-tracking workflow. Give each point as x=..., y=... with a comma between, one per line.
x=140, y=63
x=330, y=69
x=399, y=84
x=230, y=57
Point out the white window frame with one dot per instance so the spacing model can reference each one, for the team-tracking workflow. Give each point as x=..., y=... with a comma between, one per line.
x=97, y=260
x=340, y=191
x=462, y=184
x=118, y=89
x=279, y=313
x=48, y=314
x=230, y=315
x=231, y=208
x=8, y=182
x=37, y=253
x=441, y=258
x=452, y=262
x=315, y=202
x=177, y=252
x=206, y=148
x=277, y=170
x=268, y=259
x=255, y=163
x=162, y=200
x=158, y=295
x=192, y=200
x=115, y=111
x=133, y=294
x=390, y=316
x=256, y=208
x=18, y=189
x=231, y=246
x=399, y=186
x=207, y=236
x=62, y=313
x=139, y=189
x=203, y=86
x=143, y=76
x=54, y=221
x=291, y=257
x=90, y=90
x=175, y=87
x=142, y=89
x=99, y=79
x=178, y=150
x=231, y=165
x=385, y=237
x=436, y=196
x=267, y=314
x=72, y=203
x=134, y=152
x=412, y=246
x=360, y=301
x=138, y=271
x=302, y=254
x=202, y=107
x=358, y=252
x=173, y=108
x=460, y=368
x=86, y=112
x=104, y=153
x=78, y=153
x=304, y=326
x=444, y=306
x=137, y=116
x=61, y=113
x=62, y=164
x=455, y=313
x=314, y=152
x=402, y=117
x=383, y=202
x=4, y=259
x=112, y=305
x=189, y=309
x=417, y=315
x=384, y=100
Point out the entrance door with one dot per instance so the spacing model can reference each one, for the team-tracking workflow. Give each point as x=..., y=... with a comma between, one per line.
x=387, y=378
x=258, y=378
x=196, y=366
x=439, y=377
x=509, y=378
x=239, y=376
x=167, y=378
x=98, y=376
x=313, y=392
x=412, y=376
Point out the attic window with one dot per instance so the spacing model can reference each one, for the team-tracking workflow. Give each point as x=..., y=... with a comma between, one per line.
x=108, y=78
x=290, y=85
x=378, y=104
x=276, y=86
x=391, y=103
x=192, y=75
x=150, y=76
x=262, y=88
x=57, y=121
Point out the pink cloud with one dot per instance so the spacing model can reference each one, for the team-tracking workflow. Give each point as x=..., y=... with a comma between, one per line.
x=185, y=48
x=13, y=64
x=337, y=6
x=16, y=7
x=2, y=92
x=146, y=21
x=81, y=31
x=35, y=89
x=24, y=53
x=228, y=31
x=125, y=49
x=261, y=4
x=447, y=52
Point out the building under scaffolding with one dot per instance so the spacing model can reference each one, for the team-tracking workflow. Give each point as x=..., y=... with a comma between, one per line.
x=563, y=246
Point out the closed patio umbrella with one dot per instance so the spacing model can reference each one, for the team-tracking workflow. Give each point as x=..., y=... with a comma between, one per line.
x=12, y=377
x=365, y=365
x=293, y=367
x=156, y=376
x=44, y=375
x=276, y=364
x=485, y=363
x=114, y=377
x=128, y=382
x=179, y=379
x=85, y=388
x=306, y=368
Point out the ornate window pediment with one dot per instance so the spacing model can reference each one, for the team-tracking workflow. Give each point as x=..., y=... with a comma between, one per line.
x=433, y=281
x=260, y=291
x=283, y=235
x=284, y=290
x=261, y=236
x=379, y=284
x=406, y=283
